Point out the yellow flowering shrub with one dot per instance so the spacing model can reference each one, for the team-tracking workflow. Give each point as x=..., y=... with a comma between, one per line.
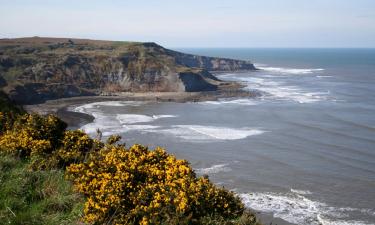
x=139, y=186
x=46, y=142
x=74, y=147
x=32, y=135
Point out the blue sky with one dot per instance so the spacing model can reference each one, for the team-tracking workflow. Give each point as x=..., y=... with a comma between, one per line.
x=197, y=23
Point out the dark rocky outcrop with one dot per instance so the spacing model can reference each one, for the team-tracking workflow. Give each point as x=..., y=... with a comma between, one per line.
x=37, y=69
x=195, y=82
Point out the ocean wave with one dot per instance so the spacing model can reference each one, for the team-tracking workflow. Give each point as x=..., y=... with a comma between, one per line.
x=213, y=169
x=138, y=118
x=241, y=101
x=110, y=124
x=300, y=192
x=278, y=90
x=325, y=221
x=209, y=133
x=296, y=208
x=282, y=70
x=86, y=108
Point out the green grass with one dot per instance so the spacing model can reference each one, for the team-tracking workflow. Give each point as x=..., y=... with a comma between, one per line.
x=36, y=197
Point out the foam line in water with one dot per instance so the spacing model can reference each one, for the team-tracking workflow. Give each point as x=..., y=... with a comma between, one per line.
x=300, y=192
x=242, y=101
x=86, y=108
x=133, y=118
x=282, y=70
x=213, y=169
x=110, y=124
x=296, y=208
x=210, y=133
x=138, y=118
x=325, y=221
x=278, y=90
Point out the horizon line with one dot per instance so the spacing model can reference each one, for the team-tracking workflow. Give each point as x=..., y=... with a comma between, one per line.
x=205, y=47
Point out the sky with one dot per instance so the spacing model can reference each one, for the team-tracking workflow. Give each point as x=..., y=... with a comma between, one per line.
x=197, y=23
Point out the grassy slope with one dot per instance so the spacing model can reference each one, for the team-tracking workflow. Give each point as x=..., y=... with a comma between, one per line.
x=36, y=197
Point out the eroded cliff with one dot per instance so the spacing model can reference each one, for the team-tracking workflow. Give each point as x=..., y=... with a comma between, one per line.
x=38, y=69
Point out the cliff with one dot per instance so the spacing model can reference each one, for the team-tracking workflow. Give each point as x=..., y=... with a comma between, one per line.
x=37, y=69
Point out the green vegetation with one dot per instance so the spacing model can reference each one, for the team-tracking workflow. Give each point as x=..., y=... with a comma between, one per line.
x=36, y=197
x=49, y=175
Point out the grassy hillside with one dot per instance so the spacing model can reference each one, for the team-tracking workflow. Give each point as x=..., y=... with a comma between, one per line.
x=36, y=197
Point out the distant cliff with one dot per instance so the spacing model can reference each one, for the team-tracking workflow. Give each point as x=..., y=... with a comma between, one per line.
x=38, y=69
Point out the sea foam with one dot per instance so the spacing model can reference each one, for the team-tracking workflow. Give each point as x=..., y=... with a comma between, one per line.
x=213, y=169
x=296, y=208
x=110, y=124
x=278, y=90
x=87, y=108
x=290, y=70
x=210, y=133
x=138, y=118
x=226, y=102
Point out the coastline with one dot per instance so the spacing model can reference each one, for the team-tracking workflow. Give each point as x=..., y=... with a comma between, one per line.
x=53, y=106
x=75, y=120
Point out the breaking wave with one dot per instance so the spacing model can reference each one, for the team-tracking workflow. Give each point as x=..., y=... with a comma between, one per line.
x=277, y=90
x=244, y=101
x=209, y=133
x=296, y=208
x=110, y=124
x=213, y=169
x=289, y=70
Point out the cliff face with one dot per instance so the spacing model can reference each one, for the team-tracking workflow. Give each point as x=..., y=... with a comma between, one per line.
x=38, y=69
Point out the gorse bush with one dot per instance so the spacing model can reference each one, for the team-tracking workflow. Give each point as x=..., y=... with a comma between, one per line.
x=33, y=135
x=120, y=185
x=139, y=186
x=45, y=141
x=74, y=147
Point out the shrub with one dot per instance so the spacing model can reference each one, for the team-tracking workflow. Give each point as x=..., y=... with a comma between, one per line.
x=138, y=186
x=45, y=141
x=33, y=133
x=74, y=147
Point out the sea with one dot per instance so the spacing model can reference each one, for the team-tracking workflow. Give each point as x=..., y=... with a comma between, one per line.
x=303, y=151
